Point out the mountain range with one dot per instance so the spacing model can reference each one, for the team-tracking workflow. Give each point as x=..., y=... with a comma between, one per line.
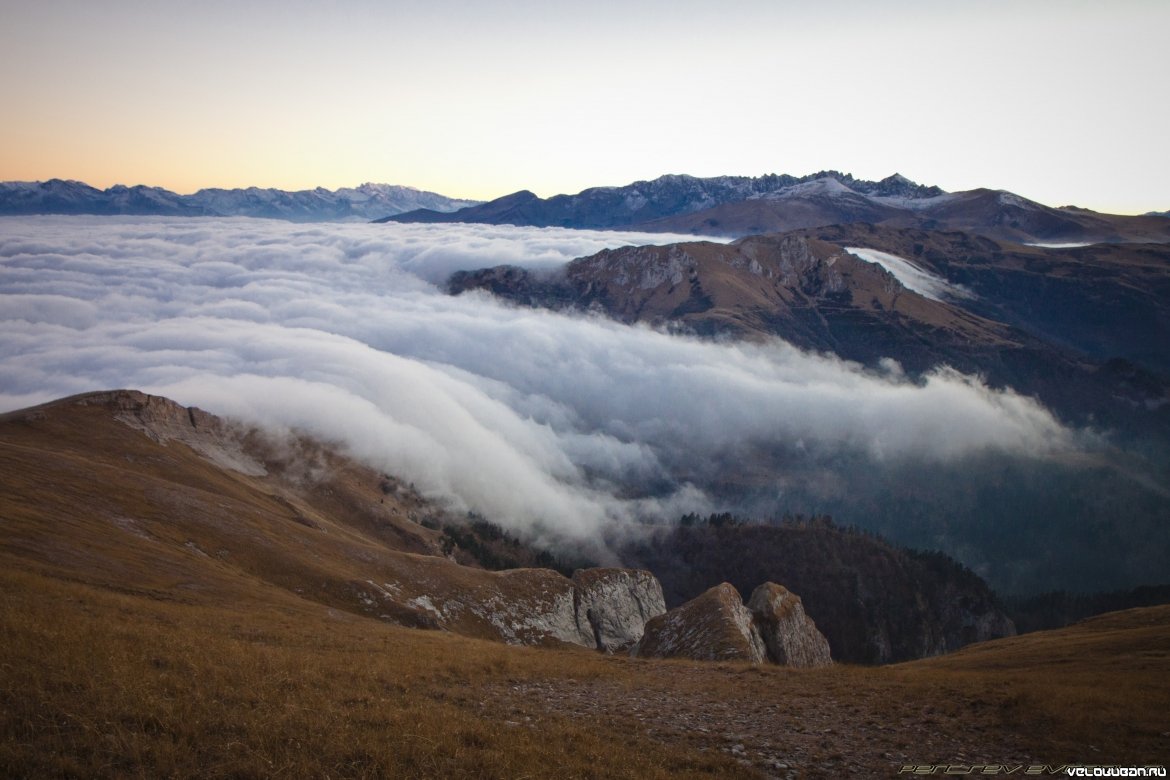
x=186, y=595
x=725, y=206
x=366, y=202
x=737, y=206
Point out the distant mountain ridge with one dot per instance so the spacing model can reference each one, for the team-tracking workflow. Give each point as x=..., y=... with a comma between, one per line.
x=738, y=206
x=646, y=201
x=366, y=202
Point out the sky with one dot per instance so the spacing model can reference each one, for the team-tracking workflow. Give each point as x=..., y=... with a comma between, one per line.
x=1058, y=101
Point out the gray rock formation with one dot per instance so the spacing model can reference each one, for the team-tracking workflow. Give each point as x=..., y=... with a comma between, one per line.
x=791, y=637
x=163, y=421
x=614, y=605
x=716, y=626
x=604, y=609
x=527, y=606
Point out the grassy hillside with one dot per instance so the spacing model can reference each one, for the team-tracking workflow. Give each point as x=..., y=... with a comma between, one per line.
x=98, y=683
x=161, y=617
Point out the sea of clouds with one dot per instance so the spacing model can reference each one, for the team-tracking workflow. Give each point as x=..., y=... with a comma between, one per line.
x=555, y=424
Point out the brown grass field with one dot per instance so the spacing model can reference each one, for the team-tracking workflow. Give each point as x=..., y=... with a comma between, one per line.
x=127, y=650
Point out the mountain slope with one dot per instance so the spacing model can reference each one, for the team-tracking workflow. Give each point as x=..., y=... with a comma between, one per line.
x=993, y=213
x=1080, y=327
x=175, y=603
x=57, y=196
x=1102, y=301
x=350, y=203
x=135, y=492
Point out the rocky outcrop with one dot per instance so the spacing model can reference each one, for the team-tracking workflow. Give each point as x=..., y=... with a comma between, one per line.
x=791, y=637
x=164, y=420
x=528, y=606
x=716, y=626
x=614, y=605
x=603, y=609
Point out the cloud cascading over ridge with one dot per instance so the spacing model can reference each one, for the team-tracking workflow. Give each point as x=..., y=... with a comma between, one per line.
x=534, y=418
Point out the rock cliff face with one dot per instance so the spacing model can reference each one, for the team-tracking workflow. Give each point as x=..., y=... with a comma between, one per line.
x=603, y=609
x=614, y=605
x=163, y=421
x=716, y=626
x=789, y=634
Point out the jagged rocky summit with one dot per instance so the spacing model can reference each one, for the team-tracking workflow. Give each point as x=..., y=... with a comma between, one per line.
x=717, y=626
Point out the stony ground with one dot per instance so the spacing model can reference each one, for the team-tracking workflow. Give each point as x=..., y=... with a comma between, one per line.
x=783, y=724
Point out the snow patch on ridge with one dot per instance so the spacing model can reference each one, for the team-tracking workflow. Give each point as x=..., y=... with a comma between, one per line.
x=912, y=277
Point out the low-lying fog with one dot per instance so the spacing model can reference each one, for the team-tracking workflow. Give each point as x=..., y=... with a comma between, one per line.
x=559, y=426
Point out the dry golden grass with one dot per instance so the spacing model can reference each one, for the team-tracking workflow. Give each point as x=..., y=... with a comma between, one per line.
x=99, y=684
x=96, y=683
x=1101, y=687
x=163, y=617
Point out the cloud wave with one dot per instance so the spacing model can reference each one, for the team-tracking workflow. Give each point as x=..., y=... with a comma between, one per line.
x=562, y=425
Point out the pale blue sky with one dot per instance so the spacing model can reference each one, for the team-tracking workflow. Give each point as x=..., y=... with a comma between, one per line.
x=1063, y=102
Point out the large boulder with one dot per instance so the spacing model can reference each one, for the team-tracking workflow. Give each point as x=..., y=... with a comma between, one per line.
x=716, y=626
x=791, y=637
x=614, y=605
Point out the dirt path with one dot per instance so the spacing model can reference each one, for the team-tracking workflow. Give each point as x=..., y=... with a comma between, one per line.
x=834, y=723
